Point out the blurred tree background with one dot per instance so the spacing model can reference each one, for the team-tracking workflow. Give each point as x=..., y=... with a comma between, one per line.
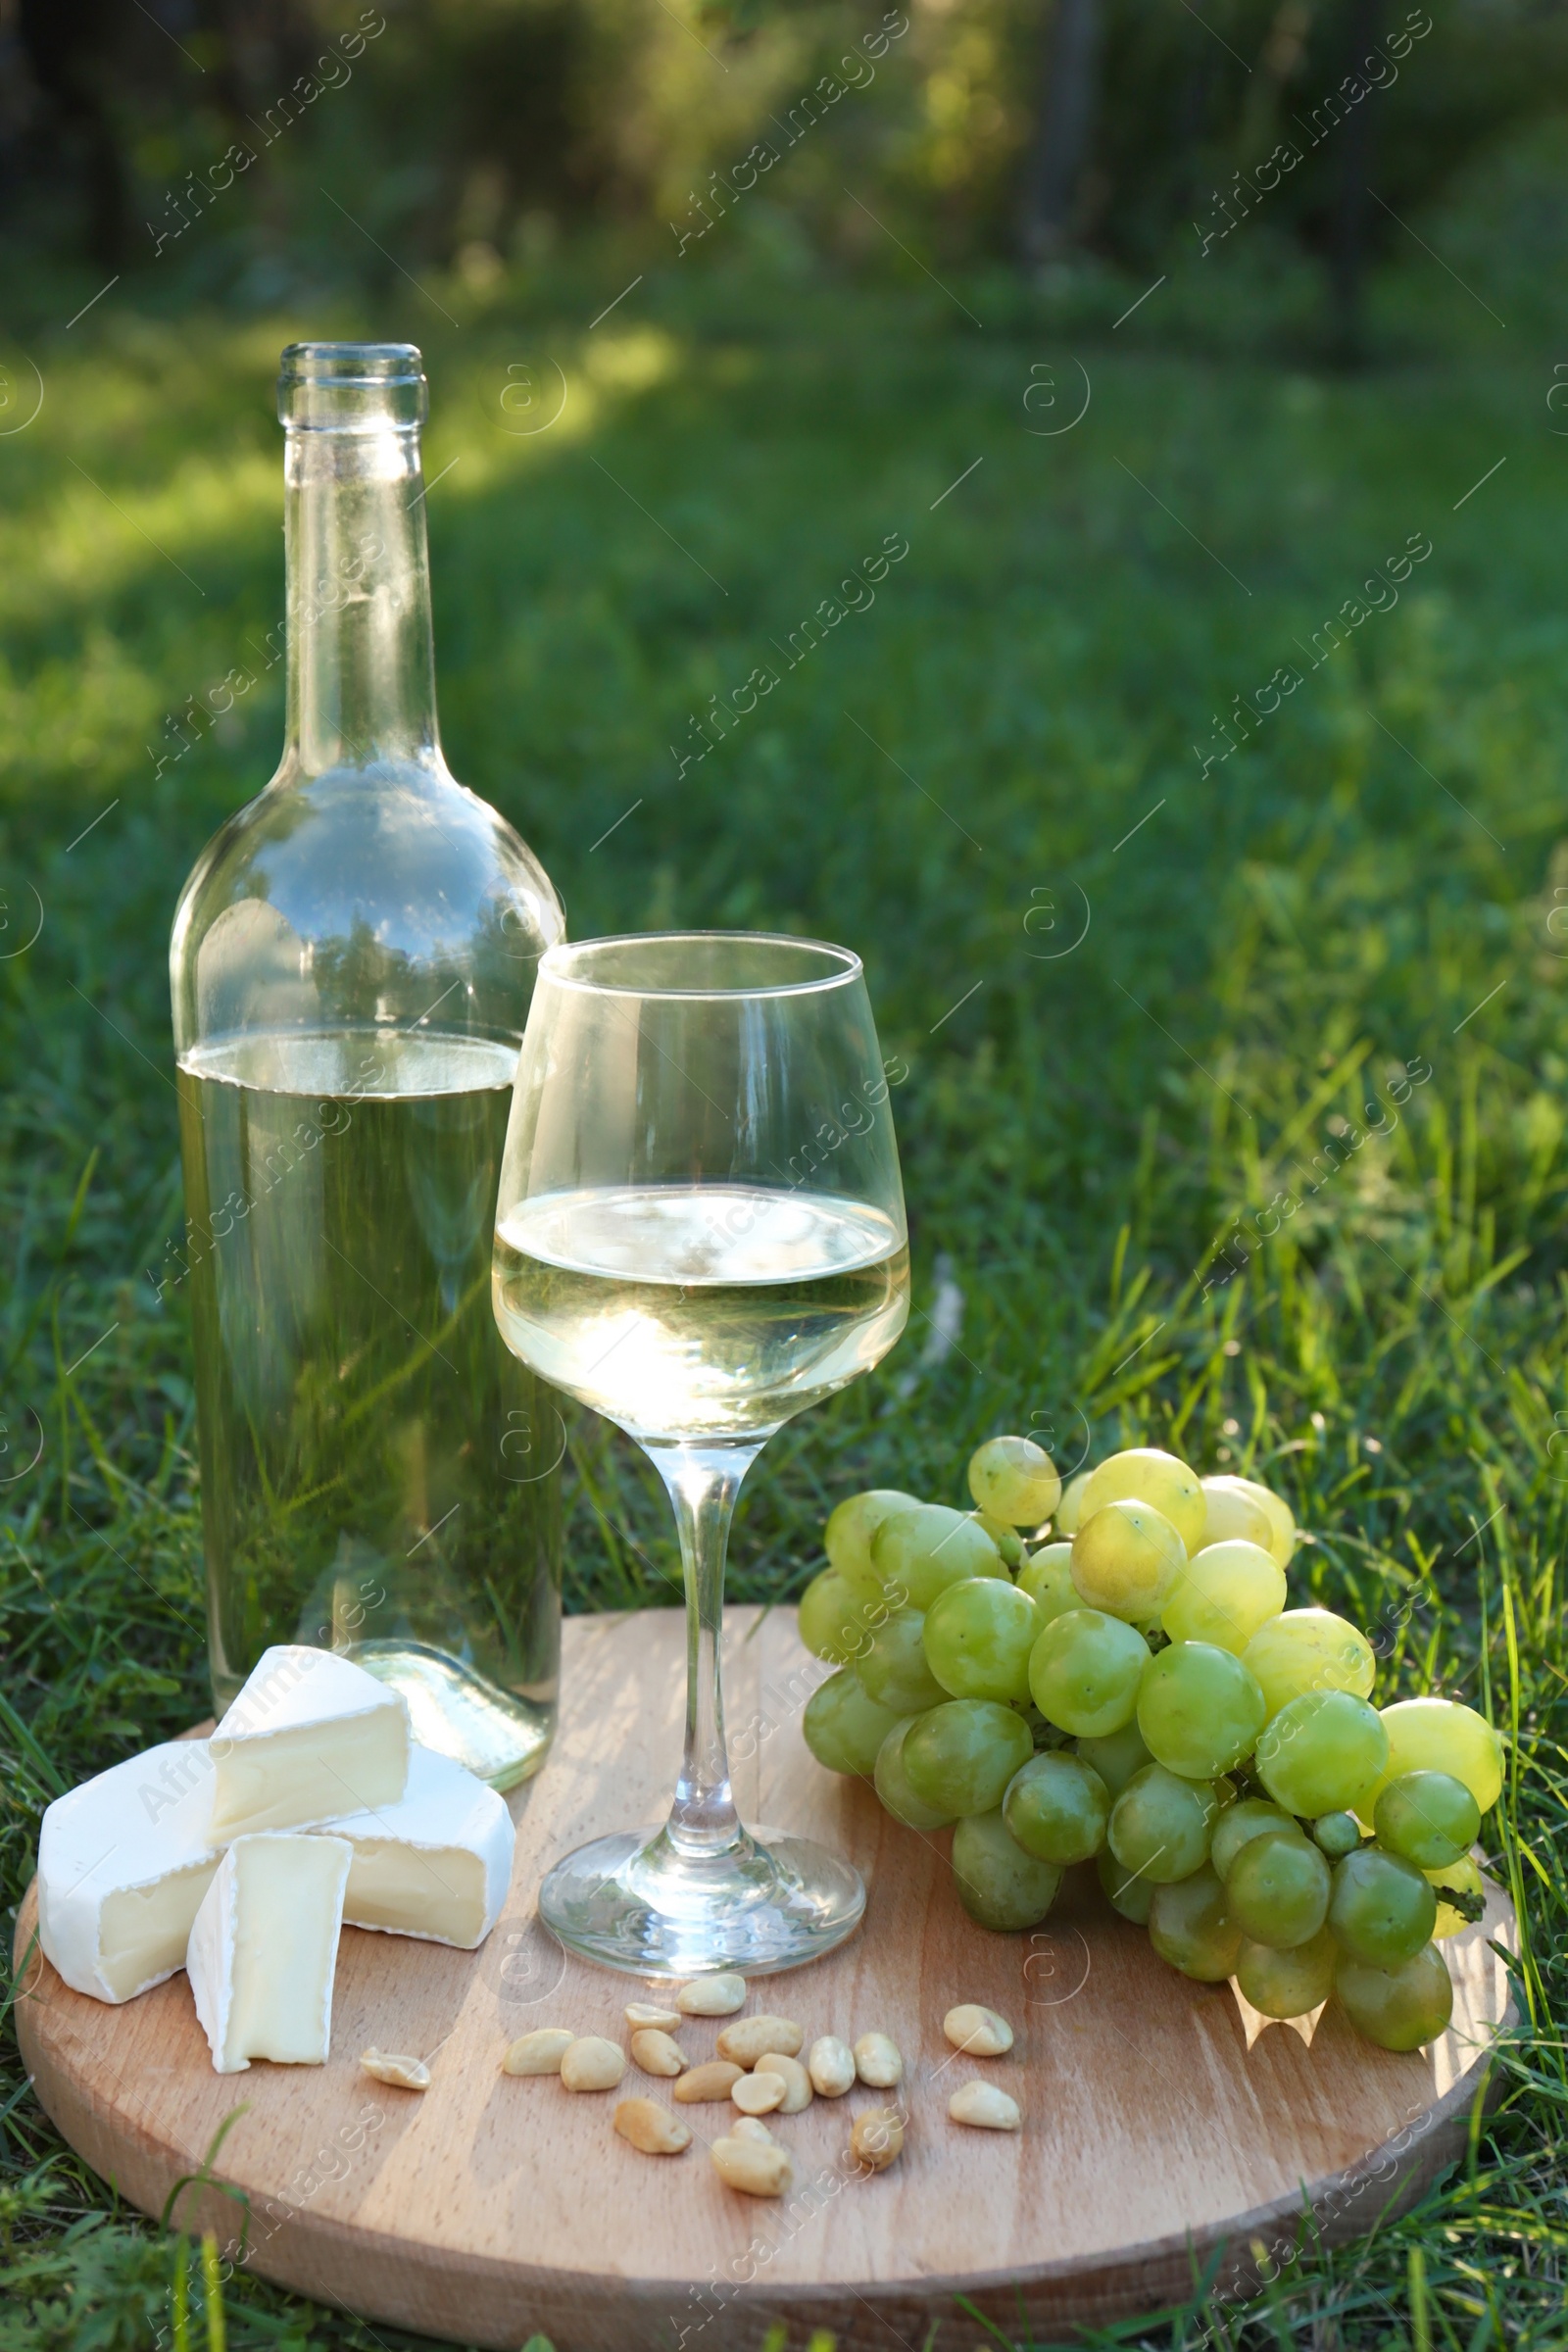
x=1040, y=134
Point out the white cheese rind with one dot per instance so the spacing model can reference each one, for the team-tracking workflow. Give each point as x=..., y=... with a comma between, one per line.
x=310, y=1736
x=123, y=1863
x=436, y=1866
x=264, y=1949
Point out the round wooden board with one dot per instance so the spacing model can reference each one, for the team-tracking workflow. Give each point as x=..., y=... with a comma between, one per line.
x=1166, y=2124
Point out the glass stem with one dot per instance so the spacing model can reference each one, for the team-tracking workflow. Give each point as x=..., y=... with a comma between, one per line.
x=703, y=1482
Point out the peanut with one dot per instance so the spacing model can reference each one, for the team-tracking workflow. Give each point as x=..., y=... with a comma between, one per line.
x=757, y=2094
x=831, y=2066
x=978, y=2031
x=643, y=2013
x=754, y=2038
x=539, y=2052
x=409, y=2074
x=795, y=2081
x=651, y=2128
x=757, y=2172
x=984, y=2105
x=712, y=1996
x=709, y=2081
x=591, y=2063
x=876, y=2137
x=655, y=2053
x=878, y=2062
x=752, y=2126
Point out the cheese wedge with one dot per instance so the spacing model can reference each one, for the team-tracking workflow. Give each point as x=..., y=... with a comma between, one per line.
x=264, y=1948
x=437, y=1865
x=310, y=1737
x=124, y=1862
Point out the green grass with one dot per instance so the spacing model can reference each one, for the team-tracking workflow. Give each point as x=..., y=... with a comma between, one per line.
x=1265, y=955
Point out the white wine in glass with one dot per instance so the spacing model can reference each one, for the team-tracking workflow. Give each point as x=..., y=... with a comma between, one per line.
x=700, y=1233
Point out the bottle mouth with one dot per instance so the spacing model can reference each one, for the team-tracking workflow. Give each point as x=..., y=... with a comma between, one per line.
x=351, y=387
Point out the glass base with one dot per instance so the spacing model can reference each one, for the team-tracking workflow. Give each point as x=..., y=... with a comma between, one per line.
x=637, y=1903
x=501, y=1738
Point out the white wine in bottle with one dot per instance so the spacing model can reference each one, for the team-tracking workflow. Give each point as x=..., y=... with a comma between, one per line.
x=352, y=965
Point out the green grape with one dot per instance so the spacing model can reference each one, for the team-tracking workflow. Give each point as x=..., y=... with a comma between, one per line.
x=847, y=1536
x=1380, y=1909
x=1322, y=1754
x=1015, y=1479
x=843, y=1728
x=1046, y=1576
x=918, y=1553
x=1143, y=1474
x=1428, y=1817
x=1084, y=1672
x=1309, y=1649
x=892, y=1783
x=1126, y=1560
x=1224, y=1593
x=1439, y=1734
x=1287, y=1983
x=1233, y=1516
x=1239, y=1823
x=1337, y=1833
x=978, y=1636
x=832, y=1619
x=1198, y=1709
x=1006, y=1540
x=893, y=1668
x=1279, y=1889
x=1127, y=1891
x=1159, y=1825
x=997, y=1882
x=1116, y=1755
x=1224, y=1514
x=1056, y=1807
x=1190, y=1925
x=1064, y=1518
x=961, y=1755
x=1399, y=2008
x=1463, y=1878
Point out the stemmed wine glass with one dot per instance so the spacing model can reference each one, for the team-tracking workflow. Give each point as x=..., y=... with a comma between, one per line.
x=700, y=1233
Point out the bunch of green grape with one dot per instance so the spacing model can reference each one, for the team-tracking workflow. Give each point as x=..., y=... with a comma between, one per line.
x=1109, y=1674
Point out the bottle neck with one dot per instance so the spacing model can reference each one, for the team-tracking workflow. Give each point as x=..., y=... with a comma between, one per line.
x=361, y=657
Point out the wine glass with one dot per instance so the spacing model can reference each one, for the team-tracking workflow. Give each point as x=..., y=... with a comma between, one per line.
x=701, y=1232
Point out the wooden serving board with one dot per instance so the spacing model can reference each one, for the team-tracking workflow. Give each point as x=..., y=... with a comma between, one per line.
x=1165, y=2123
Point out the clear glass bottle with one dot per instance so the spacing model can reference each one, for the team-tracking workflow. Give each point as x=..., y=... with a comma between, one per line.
x=352, y=963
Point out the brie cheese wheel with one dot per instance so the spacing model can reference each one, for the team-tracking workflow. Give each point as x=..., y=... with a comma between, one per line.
x=264, y=1948
x=124, y=1862
x=310, y=1737
x=437, y=1865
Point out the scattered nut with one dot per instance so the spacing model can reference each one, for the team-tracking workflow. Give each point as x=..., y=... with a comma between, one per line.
x=643, y=2013
x=651, y=2128
x=983, y=2104
x=591, y=2063
x=878, y=2061
x=876, y=2137
x=709, y=2081
x=712, y=1996
x=745, y=2165
x=794, y=2076
x=655, y=2053
x=409, y=2074
x=831, y=2066
x=981, y=2033
x=754, y=2038
x=539, y=2052
x=752, y=2126
x=757, y=2094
